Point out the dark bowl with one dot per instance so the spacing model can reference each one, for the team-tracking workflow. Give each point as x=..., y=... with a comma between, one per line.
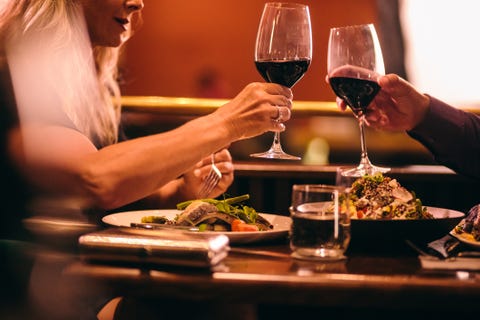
x=390, y=236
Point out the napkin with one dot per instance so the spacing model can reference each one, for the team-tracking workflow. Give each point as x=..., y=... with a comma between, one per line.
x=159, y=247
x=445, y=247
x=449, y=253
x=453, y=263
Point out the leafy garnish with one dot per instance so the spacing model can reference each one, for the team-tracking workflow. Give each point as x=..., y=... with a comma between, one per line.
x=155, y=219
x=232, y=206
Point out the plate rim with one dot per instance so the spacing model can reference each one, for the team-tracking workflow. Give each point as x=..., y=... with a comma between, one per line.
x=459, y=215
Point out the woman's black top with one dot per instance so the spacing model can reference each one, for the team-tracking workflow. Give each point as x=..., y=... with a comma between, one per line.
x=14, y=193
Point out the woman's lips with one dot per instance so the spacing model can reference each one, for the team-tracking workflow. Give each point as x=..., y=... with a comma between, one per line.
x=122, y=22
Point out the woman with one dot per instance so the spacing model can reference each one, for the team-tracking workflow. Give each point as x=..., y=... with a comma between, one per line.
x=70, y=123
x=58, y=58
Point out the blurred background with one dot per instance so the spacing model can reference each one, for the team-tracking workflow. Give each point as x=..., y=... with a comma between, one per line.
x=205, y=49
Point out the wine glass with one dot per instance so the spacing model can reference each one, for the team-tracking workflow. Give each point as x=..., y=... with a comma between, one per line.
x=354, y=64
x=283, y=52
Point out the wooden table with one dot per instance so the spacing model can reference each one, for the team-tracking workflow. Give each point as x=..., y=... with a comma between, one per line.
x=362, y=285
x=367, y=285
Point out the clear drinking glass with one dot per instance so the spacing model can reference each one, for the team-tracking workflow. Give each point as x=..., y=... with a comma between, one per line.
x=355, y=62
x=343, y=179
x=283, y=51
x=320, y=222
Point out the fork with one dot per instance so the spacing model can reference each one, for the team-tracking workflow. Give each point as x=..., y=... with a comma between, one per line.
x=211, y=180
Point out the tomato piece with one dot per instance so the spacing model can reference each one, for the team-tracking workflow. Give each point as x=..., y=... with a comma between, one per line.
x=236, y=223
x=240, y=225
x=360, y=213
x=247, y=227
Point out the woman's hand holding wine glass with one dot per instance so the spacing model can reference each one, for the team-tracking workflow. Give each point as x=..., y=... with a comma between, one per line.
x=283, y=52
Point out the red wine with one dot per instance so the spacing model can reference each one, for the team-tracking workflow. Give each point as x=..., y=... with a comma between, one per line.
x=357, y=93
x=284, y=72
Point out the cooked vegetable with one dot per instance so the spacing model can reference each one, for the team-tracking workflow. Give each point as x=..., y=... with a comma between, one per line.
x=155, y=219
x=380, y=197
x=220, y=215
x=240, y=225
x=471, y=224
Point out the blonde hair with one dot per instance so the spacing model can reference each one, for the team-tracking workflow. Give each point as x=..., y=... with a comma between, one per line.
x=50, y=38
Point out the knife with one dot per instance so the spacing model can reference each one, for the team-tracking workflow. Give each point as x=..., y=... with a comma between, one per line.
x=156, y=226
x=469, y=254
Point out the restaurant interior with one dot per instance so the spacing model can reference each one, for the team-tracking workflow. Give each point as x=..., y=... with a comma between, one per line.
x=187, y=59
x=201, y=67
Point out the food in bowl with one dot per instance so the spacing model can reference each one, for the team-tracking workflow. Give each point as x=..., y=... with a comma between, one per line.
x=229, y=214
x=378, y=197
x=470, y=226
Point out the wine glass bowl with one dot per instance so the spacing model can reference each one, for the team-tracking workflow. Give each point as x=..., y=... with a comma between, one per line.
x=354, y=64
x=283, y=52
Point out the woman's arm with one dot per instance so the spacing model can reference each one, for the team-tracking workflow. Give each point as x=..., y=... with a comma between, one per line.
x=62, y=160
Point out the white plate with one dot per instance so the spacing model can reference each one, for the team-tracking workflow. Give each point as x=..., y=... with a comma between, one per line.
x=281, y=225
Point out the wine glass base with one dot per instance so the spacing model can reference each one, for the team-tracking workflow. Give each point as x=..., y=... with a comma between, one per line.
x=272, y=154
x=360, y=171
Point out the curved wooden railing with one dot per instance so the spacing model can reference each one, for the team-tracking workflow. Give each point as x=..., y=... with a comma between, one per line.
x=185, y=106
x=200, y=106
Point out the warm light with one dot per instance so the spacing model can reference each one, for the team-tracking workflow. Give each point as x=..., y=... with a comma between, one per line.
x=441, y=48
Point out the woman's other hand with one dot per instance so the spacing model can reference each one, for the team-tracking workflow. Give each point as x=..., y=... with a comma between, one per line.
x=194, y=179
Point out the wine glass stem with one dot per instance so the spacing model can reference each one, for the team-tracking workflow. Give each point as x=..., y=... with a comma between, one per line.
x=276, y=146
x=364, y=161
